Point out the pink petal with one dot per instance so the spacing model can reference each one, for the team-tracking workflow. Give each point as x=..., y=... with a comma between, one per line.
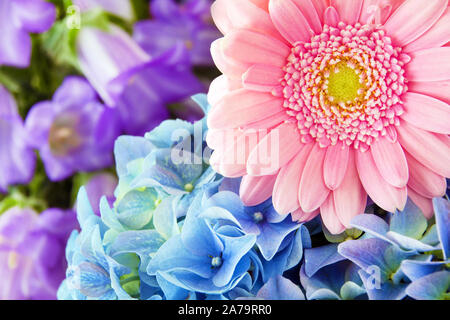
x=429, y=65
x=329, y=216
x=439, y=89
x=349, y=11
x=425, y=181
x=350, y=199
x=275, y=150
x=413, y=18
x=241, y=107
x=270, y=122
x=335, y=165
x=215, y=138
x=321, y=6
x=256, y=190
x=251, y=16
x=285, y=192
x=331, y=17
x=432, y=150
x=224, y=167
x=262, y=77
x=231, y=161
x=424, y=204
x=373, y=11
x=426, y=113
x=390, y=161
x=217, y=90
x=313, y=191
x=382, y=193
x=395, y=4
x=263, y=4
x=310, y=13
x=289, y=21
x=437, y=36
x=220, y=17
x=251, y=47
x=232, y=69
x=301, y=216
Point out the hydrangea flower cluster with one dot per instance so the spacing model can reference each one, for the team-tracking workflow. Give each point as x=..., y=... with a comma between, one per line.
x=398, y=255
x=177, y=229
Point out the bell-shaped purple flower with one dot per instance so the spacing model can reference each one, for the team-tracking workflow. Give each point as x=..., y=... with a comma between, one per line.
x=187, y=24
x=32, y=264
x=122, y=8
x=73, y=132
x=127, y=78
x=16, y=158
x=101, y=184
x=18, y=18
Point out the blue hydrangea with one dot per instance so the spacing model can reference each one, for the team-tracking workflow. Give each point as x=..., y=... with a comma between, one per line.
x=326, y=275
x=277, y=288
x=279, y=240
x=396, y=256
x=172, y=159
x=204, y=259
x=91, y=272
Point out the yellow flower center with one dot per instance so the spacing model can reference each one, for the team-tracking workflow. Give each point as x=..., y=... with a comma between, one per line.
x=188, y=187
x=344, y=84
x=13, y=260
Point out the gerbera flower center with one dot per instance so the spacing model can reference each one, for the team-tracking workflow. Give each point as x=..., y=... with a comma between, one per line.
x=345, y=86
x=343, y=83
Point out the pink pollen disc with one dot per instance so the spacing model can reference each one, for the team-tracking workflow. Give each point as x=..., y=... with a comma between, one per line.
x=368, y=53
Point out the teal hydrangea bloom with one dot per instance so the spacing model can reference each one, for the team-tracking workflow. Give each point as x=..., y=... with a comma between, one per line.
x=91, y=273
x=172, y=160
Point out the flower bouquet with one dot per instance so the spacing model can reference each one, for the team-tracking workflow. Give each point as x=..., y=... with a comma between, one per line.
x=312, y=165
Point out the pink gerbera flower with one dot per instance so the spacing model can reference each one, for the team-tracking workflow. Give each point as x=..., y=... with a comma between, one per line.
x=349, y=97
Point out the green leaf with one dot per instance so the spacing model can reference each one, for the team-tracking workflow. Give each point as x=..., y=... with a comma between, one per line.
x=8, y=203
x=60, y=43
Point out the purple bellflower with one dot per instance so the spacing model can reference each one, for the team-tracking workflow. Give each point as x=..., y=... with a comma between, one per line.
x=99, y=185
x=18, y=18
x=32, y=246
x=17, y=159
x=127, y=78
x=121, y=8
x=73, y=132
x=187, y=24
